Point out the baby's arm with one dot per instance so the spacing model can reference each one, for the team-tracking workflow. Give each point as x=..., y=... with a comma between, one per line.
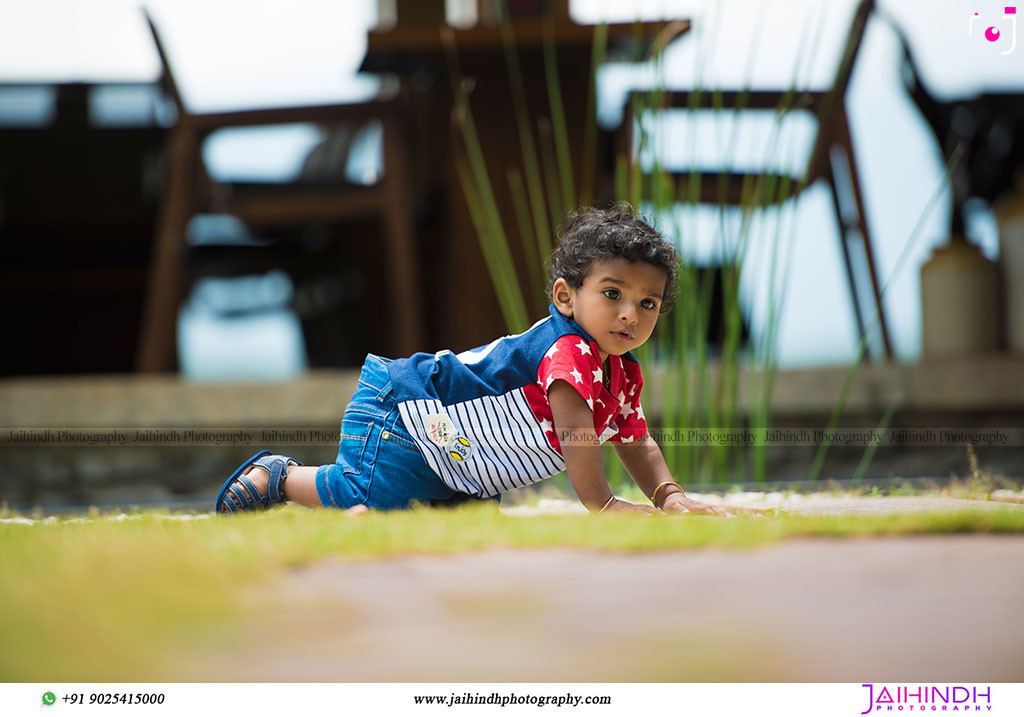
x=574, y=425
x=646, y=466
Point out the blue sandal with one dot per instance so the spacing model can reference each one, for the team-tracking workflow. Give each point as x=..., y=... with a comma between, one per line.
x=235, y=499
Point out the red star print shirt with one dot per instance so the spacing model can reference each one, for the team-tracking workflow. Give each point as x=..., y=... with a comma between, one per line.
x=618, y=415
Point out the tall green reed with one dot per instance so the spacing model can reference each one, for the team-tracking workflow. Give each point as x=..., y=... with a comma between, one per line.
x=698, y=389
x=699, y=394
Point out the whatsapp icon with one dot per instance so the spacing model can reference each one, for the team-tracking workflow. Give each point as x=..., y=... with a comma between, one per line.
x=49, y=698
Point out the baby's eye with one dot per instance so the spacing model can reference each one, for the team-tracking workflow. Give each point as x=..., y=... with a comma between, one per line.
x=648, y=304
x=611, y=293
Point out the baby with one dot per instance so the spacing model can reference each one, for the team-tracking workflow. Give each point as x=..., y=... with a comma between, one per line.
x=445, y=428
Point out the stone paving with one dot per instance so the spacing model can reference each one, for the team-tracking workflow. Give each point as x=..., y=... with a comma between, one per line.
x=909, y=609
x=797, y=504
x=813, y=504
x=906, y=609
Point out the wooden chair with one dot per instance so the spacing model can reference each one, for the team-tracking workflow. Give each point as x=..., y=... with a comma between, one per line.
x=189, y=190
x=832, y=143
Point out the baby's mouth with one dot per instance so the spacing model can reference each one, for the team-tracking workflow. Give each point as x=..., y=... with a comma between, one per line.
x=623, y=335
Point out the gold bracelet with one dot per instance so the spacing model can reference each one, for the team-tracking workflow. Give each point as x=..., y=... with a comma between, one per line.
x=654, y=495
x=607, y=504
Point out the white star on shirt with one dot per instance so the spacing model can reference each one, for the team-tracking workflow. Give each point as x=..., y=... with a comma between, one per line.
x=627, y=410
x=627, y=439
x=547, y=426
x=639, y=411
x=551, y=351
x=577, y=375
x=598, y=376
x=590, y=403
x=599, y=401
x=622, y=397
x=584, y=347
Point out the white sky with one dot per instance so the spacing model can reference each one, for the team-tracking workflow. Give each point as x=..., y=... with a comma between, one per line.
x=234, y=53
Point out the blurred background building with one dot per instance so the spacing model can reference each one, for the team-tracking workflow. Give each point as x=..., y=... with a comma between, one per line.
x=275, y=194
x=84, y=154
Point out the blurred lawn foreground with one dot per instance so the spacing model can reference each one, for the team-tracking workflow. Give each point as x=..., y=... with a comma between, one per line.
x=109, y=598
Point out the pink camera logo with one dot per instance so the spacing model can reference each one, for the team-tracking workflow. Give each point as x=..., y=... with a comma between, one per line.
x=992, y=33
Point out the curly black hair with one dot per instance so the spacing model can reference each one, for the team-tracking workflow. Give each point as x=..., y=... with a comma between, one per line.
x=590, y=235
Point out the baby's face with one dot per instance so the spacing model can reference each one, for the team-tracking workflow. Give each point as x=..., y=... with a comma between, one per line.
x=618, y=303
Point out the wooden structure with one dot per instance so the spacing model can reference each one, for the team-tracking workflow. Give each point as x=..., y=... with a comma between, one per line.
x=833, y=139
x=75, y=198
x=465, y=308
x=189, y=190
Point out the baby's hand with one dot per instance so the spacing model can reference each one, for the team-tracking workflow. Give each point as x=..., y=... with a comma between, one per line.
x=622, y=506
x=682, y=504
x=679, y=503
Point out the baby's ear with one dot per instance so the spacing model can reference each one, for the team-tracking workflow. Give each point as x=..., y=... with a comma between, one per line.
x=562, y=296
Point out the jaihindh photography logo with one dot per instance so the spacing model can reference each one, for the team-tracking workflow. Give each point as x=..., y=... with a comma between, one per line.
x=927, y=698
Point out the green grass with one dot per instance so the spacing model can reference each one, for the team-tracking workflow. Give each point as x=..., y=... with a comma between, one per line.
x=90, y=599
